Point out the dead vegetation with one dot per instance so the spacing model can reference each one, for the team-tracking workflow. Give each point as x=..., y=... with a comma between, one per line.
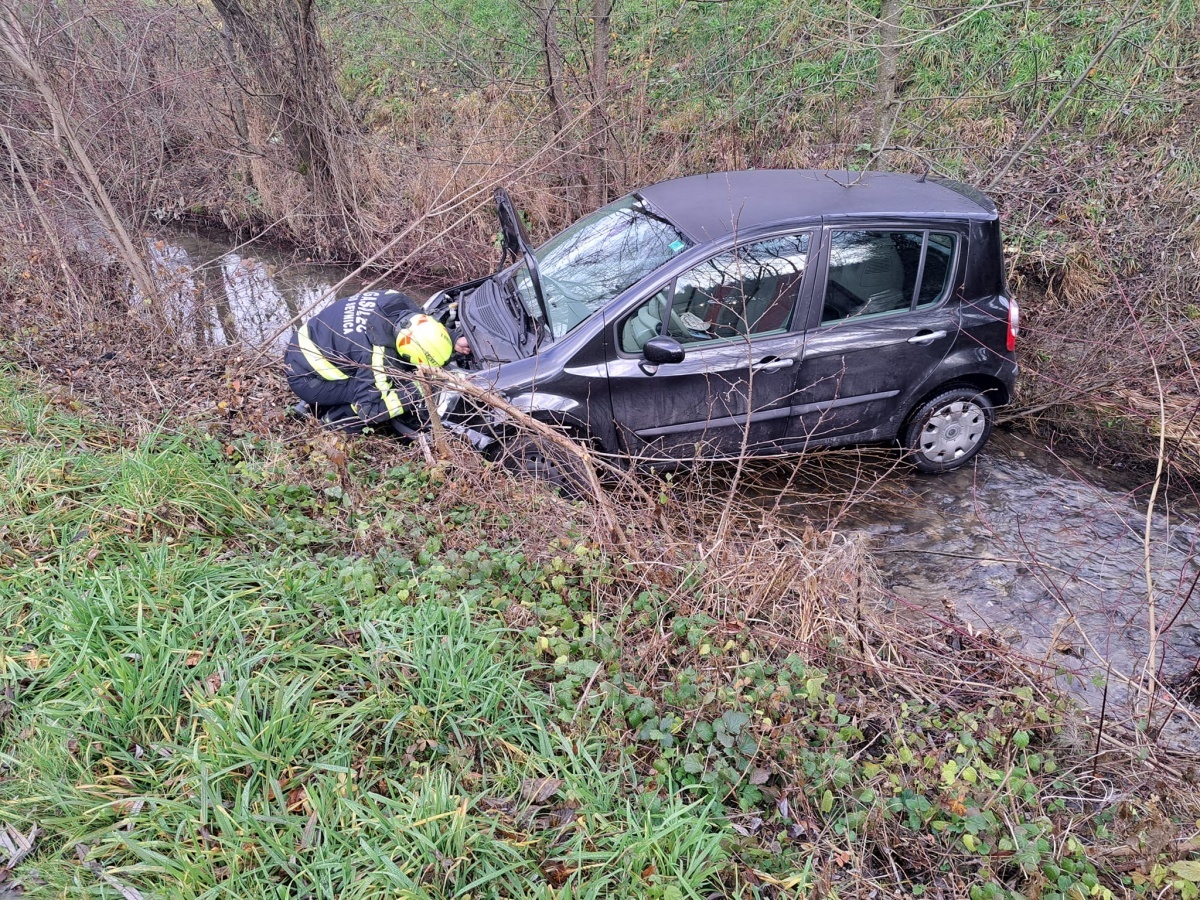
x=732, y=585
x=165, y=116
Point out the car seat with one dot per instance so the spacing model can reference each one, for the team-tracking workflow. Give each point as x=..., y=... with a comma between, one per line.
x=647, y=323
x=771, y=305
x=871, y=282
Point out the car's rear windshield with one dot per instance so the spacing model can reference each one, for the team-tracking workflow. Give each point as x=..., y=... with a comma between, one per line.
x=597, y=258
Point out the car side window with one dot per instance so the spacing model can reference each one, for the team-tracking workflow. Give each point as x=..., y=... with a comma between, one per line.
x=749, y=290
x=939, y=268
x=645, y=323
x=877, y=272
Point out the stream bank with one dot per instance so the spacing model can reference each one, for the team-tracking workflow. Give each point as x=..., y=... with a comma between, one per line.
x=1041, y=548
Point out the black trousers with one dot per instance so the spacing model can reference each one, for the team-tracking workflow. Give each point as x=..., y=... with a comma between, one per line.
x=329, y=400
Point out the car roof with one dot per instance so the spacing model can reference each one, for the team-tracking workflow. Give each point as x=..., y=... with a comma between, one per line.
x=709, y=207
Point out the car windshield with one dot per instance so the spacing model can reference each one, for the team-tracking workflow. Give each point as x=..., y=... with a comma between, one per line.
x=597, y=258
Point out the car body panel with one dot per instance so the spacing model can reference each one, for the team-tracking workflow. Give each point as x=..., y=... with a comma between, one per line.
x=712, y=207
x=803, y=383
x=714, y=403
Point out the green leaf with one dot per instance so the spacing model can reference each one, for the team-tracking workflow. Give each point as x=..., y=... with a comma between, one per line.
x=827, y=801
x=978, y=822
x=1187, y=869
x=735, y=721
x=585, y=667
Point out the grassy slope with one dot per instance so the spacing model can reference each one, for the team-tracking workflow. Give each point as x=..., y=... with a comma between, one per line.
x=226, y=672
x=205, y=699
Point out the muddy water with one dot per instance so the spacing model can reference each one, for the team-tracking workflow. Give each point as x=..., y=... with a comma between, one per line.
x=1041, y=549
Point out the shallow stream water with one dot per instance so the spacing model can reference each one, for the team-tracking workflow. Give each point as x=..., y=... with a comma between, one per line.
x=1049, y=553
x=246, y=293
x=1041, y=548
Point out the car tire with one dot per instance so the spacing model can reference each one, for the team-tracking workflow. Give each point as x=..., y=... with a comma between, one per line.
x=949, y=430
x=536, y=457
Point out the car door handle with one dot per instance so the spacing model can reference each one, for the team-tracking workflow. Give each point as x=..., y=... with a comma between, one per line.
x=772, y=365
x=926, y=337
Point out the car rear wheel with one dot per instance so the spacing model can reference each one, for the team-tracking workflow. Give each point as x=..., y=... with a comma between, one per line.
x=949, y=430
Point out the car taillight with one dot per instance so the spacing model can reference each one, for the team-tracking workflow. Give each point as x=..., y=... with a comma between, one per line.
x=1014, y=324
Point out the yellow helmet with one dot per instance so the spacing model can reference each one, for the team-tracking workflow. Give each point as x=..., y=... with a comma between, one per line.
x=424, y=341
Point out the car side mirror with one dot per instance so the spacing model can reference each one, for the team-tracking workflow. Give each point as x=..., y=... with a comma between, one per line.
x=662, y=350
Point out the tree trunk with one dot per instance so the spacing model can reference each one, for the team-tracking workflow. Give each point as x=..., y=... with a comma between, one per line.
x=299, y=106
x=553, y=56
x=887, y=107
x=598, y=138
x=546, y=12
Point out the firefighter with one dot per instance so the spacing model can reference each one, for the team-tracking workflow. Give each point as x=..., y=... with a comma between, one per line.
x=347, y=362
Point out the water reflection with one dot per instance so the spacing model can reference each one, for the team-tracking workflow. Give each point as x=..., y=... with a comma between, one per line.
x=249, y=294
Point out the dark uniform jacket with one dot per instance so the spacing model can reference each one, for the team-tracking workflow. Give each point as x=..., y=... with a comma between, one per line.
x=343, y=361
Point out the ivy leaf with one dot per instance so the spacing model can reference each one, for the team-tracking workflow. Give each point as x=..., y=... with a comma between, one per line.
x=827, y=801
x=978, y=822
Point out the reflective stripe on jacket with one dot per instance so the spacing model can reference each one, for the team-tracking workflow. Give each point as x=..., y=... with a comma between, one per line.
x=383, y=384
x=312, y=355
x=353, y=343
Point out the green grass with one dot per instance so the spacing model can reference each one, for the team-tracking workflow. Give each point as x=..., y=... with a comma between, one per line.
x=752, y=62
x=201, y=708
x=224, y=674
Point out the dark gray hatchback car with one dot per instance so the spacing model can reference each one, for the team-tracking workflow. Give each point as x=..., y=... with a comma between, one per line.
x=757, y=312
